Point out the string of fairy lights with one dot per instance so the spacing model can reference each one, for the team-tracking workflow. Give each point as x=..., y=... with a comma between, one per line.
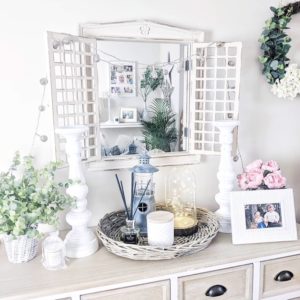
x=115, y=62
x=98, y=57
x=44, y=82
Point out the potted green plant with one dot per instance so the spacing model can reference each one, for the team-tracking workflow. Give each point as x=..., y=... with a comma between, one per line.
x=160, y=131
x=28, y=197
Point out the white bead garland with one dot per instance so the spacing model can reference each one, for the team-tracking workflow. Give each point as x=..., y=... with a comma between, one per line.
x=41, y=108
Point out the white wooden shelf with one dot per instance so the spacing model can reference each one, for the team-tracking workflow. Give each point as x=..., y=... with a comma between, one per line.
x=105, y=125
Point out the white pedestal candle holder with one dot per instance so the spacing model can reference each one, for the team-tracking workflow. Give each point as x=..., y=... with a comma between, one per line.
x=226, y=174
x=80, y=241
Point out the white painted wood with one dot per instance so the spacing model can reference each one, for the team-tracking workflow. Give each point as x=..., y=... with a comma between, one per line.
x=174, y=287
x=237, y=281
x=256, y=280
x=164, y=159
x=215, y=81
x=105, y=125
x=226, y=174
x=159, y=290
x=271, y=268
x=74, y=89
x=104, y=271
x=80, y=241
x=140, y=30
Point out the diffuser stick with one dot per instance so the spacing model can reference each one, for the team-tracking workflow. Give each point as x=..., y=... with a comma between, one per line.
x=131, y=200
x=122, y=195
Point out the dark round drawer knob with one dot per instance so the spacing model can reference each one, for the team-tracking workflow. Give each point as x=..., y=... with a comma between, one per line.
x=284, y=276
x=216, y=290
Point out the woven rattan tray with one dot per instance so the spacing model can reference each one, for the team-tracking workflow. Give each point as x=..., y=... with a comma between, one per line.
x=109, y=233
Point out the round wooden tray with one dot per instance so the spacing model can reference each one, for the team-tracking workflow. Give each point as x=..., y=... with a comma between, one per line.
x=109, y=233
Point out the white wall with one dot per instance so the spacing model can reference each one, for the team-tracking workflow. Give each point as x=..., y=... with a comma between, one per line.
x=269, y=127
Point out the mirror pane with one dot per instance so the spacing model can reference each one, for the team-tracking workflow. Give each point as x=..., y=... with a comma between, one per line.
x=143, y=90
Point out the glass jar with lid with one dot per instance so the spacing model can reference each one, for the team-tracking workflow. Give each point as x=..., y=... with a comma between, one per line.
x=180, y=199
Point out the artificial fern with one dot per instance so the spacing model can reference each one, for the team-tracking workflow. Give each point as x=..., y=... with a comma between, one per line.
x=160, y=131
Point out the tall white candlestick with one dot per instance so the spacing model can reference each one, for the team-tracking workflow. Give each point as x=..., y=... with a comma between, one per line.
x=225, y=175
x=80, y=241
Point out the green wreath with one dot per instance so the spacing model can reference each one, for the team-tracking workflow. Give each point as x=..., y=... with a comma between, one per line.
x=275, y=43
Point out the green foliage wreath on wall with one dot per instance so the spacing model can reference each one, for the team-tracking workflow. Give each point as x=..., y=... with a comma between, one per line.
x=275, y=44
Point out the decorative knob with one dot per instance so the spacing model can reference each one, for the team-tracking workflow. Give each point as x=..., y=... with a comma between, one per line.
x=216, y=290
x=284, y=276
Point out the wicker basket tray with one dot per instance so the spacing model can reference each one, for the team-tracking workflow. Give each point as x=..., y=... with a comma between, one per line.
x=109, y=233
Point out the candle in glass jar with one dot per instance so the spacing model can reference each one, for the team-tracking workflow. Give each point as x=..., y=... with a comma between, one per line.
x=160, y=226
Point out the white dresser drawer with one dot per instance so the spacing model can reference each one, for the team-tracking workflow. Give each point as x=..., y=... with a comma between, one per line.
x=287, y=271
x=236, y=281
x=151, y=291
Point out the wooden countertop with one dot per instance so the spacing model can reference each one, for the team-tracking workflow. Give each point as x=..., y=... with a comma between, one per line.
x=30, y=280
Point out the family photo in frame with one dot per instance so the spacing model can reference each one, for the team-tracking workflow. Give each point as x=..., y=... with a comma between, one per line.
x=260, y=216
x=263, y=216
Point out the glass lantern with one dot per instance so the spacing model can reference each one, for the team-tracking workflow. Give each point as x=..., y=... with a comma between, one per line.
x=180, y=198
x=143, y=201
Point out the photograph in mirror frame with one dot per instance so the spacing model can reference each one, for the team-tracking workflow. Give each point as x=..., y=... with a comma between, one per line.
x=261, y=216
x=128, y=115
x=123, y=79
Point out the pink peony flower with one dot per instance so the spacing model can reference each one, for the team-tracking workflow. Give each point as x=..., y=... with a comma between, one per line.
x=275, y=181
x=251, y=180
x=243, y=181
x=270, y=165
x=255, y=165
x=255, y=179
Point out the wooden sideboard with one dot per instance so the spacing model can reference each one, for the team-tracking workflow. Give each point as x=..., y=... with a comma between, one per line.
x=245, y=271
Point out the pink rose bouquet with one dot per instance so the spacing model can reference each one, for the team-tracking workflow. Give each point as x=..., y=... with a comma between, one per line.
x=262, y=175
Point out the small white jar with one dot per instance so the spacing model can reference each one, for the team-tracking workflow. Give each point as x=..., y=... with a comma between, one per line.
x=160, y=227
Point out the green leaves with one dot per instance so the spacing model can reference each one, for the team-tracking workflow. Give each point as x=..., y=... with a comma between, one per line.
x=150, y=83
x=275, y=44
x=29, y=196
x=161, y=130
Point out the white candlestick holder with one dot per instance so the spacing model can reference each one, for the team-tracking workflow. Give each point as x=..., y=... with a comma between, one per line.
x=226, y=174
x=80, y=241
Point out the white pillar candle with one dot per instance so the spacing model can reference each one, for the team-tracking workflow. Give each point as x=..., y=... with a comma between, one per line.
x=160, y=226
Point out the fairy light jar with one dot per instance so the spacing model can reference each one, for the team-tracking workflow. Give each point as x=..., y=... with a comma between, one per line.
x=180, y=199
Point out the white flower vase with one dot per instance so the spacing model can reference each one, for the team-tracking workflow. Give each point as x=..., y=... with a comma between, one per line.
x=20, y=249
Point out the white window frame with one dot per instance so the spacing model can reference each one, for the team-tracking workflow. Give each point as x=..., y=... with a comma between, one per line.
x=150, y=31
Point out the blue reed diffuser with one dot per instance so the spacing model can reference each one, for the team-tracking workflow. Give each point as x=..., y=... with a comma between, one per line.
x=130, y=233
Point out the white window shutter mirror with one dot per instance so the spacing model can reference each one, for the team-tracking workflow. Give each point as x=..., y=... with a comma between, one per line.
x=74, y=88
x=215, y=84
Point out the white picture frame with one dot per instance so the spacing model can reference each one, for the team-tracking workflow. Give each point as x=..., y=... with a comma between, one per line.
x=255, y=207
x=122, y=79
x=128, y=115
